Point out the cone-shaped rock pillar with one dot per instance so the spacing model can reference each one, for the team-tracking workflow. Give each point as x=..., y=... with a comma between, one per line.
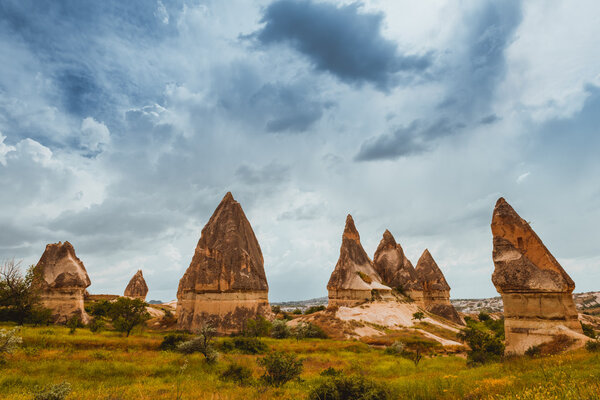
x=436, y=291
x=535, y=289
x=225, y=284
x=354, y=280
x=394, y=268
x=137, y=288
x=62, y=281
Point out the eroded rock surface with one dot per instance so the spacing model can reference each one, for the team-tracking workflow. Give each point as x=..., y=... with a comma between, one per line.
x=436, y=291
x=225, y=284
x=62, y=280
x=354, y=280
x=535, y=289
x=394, y=268
x=137, y=288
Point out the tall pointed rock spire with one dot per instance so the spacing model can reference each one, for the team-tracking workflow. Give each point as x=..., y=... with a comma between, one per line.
x=137, y=287
x=393, y=266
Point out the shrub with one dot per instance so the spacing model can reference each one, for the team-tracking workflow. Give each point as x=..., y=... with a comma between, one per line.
x=9, y=341
x=19, y=296
x=237, y=373
x=126, y=314
x=588, y=330
x=172, y=340
x=250, y=345
x=364, y=277
x=73, y=323
x=260, y=326
x=99, y=308
x=280, y=330
x=280, y=368
x=483, y=316
x=307, y=330
x=533, y=351
x=313, y=309
x=203, y=343
x=485, y=347
x=276, y=309
x=593, y=346
x=96, y=324
x=397, y=348
x=330, y=372
x=53, y=392
x=297, y=311
x=342, y=387
x=418, y=315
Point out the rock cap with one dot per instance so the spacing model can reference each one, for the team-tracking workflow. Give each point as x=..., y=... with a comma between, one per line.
x=137, y=287
x=59, y=267
x=430, y=275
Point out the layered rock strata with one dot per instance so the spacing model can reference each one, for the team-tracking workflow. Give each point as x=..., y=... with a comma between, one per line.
x=225, y=284
x=354, y=280
x=436, y=291
x=62, y=280
x=395, y=269
x=137, y=288
x=535, y=289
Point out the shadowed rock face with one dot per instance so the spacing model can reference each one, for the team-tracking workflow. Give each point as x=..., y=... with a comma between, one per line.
x=353, y=280
x=62, y=280
x=436, y=291
x=137, y=288
x=225, y=283
x=536, y=290
x=394, y=268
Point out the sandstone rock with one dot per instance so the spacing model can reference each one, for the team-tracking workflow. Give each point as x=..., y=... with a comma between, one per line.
x=62, y=280
x=354, y=280
x=436, y=291
x=394, y=268
x=535, y=289
x=225, y=284
x=137, y=288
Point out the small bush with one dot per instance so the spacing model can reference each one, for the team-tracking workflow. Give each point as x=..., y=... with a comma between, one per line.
x=280, y=368
x=593, y=346
x=276, y=309
x=99, y=308
x=9, y=341
x=237, y=373
x=533, y=351
x=172, y=340
x=257, y=327
x=297, y=311
x=307, y=330
x=364, y=277
x=203, y=343
x=418, y=315
x=313, y=309
x=280, y=330
x=483, y=316
x=250, y=345
x=341, y=387
x=73, y=323
x=330, y=372
x=588, y=330
x=397, y=348
x=39, y=316
x=96, y=325
x=485, y=347
x=54, y=392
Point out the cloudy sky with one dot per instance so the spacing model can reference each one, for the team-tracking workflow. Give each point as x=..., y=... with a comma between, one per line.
x=124, y=123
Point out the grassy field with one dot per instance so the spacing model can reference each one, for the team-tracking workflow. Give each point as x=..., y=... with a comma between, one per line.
x=107, y=366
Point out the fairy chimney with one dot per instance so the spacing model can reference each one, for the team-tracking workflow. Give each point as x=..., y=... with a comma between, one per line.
x=137, y=288
x=225, y=284
x=535, y=289
x=62, y=280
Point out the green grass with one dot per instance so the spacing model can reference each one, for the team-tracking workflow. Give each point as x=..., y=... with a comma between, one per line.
x=106, y=365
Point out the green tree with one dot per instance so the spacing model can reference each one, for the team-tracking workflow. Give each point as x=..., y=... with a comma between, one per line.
x=125, y=314
x=280, y=368
x=419, y=315
x=19, y=297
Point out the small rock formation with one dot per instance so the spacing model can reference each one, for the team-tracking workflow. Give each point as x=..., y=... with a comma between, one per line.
x=225, y=284
x=137, y=288
x=62, y=280
x=395, y=269
x=354, y=280
x=436, y=291
x=535, y=289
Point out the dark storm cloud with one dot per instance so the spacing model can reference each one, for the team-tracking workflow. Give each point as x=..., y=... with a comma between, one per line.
x=471, y=86
x=340, y=40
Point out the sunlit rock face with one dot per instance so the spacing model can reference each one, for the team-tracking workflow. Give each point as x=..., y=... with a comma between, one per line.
x=354, y=281
x=395, y=269
x=436, y=291
x=535, y=289
x=137, y=288
x=225, y=284
x=62, y=280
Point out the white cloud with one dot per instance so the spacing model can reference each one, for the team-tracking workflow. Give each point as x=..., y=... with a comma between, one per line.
x=522, y=177
x=4, y=150
x=94, y=135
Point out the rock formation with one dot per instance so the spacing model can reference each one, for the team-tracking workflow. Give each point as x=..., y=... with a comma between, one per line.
x=62, y=280
x=354, y=280
x=436, y=291
x=395, y=269
x=137, y=288
x=225, y=284
x=535, y=289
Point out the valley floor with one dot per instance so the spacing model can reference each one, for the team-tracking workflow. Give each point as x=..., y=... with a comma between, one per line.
x=107, y=366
